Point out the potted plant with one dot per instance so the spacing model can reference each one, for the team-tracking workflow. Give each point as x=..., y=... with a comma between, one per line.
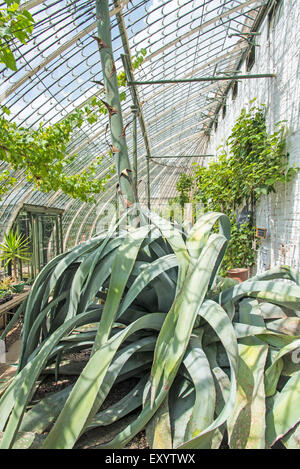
x=13, y=248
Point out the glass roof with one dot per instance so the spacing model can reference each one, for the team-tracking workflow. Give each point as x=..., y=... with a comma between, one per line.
x=58, y=66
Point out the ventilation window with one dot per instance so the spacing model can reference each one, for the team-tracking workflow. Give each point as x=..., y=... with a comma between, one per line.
x=234, y=90
x=250, y=61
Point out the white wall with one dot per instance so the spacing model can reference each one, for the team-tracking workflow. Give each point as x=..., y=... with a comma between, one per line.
x=279, y=213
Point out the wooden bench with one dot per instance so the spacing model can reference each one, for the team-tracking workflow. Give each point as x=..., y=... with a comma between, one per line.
x=9, y=306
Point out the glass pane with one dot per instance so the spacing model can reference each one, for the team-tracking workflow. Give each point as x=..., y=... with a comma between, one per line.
x=44, y=234
x=23, y=225
x=48, y=238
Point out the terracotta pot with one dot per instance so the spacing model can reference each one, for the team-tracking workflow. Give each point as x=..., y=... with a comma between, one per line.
x=240, y=274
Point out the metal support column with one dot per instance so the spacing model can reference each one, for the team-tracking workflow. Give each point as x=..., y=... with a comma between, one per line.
x=129, y=76
x=182, y=156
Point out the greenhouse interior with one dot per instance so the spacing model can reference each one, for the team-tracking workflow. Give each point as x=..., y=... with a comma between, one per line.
x=149, y=225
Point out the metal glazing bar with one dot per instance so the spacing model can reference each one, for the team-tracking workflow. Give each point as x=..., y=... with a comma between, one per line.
x=30, y=4
x=61, y=245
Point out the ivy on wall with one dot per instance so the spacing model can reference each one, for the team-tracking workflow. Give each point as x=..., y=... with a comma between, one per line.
x=249, y=165
x=184, y=186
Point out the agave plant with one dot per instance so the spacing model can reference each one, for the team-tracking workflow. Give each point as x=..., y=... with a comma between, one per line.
x=214, y=361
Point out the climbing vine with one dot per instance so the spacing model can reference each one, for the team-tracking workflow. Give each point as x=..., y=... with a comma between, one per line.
x=249, y=165
x=42, y=152
x=15, y=23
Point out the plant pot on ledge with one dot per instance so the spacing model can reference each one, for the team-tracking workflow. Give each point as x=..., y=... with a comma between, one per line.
x=240, y=274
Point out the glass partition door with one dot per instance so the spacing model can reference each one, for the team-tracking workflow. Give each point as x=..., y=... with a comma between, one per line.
x=44, y=232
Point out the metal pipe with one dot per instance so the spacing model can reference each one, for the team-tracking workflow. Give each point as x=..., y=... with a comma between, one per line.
x=195, y=80
x=183, y=156
x=134, y=94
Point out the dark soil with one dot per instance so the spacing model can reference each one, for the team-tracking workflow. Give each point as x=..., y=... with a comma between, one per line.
x=118, y=391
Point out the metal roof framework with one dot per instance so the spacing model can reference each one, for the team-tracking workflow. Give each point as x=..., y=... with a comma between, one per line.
x=184, y=39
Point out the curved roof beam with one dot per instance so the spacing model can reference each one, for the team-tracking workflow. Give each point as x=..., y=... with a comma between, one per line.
x=186, y=139
x=204, y=25
x=30, y=4
x=174, y=124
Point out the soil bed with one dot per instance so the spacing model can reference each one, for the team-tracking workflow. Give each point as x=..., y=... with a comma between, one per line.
x=101, y=434
x=118, y=391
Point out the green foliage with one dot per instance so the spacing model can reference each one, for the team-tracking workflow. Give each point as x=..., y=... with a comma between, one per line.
x=14, y=24
x=6, y=182
x=250, y=164
x=240, y=252
x=6, y=283
x=14, y=247
x=4, y=293
x=183, y=187
x=43, y=154
x=210, y=360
